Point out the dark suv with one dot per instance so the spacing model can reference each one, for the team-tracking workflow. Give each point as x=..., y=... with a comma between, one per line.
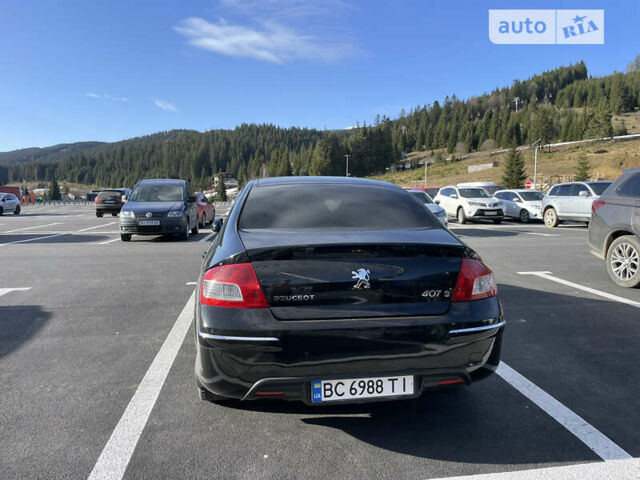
x=110, y=201
x=614, y=230
x=159, y=207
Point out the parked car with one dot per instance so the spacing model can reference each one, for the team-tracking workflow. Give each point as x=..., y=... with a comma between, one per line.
x=159, y=207
x=525, y=205
x=570, y=201
x=206, y=210
x=110, y=201
x=614, y=230
x=490, y=187
x=469, y=204
x=433, y=207
x=9, y=203
x=337, y=290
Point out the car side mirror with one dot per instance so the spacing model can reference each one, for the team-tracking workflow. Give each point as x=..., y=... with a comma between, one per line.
x=124, y=198
x=583, y=194
x=438, y=202
x=217, y=225
x=515, y=199
x=191, y=199
x=454, y=196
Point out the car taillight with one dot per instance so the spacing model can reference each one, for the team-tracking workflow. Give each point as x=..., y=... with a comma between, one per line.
x=98, y=200
x=597, y=204
x=233, y=286
x=475, y=281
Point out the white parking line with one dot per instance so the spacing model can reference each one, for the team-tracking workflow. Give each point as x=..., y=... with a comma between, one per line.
x=116, y=454
x=107, y=241
x=597, y=441
x=4, y=291
x=612, y=470
x=191, y=283
x=549, y=276
x=206, y=239
x=31, y=228
x=97, y=226
x=32, y=239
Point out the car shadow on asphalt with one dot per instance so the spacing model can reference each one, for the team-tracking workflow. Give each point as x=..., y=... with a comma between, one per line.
x=18, y=324
x=51, y=237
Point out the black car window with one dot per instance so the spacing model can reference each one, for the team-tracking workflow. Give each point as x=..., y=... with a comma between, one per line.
x=563, y=190
x=473, y=193
x=421, y=196
x=599, y=187
x=631, y=186
x=157, y=192
x=110, y=194
x=576, y=188
x=332, y=207
x=531, y=196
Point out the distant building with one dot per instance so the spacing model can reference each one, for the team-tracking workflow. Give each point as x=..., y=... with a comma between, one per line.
x=477, y=167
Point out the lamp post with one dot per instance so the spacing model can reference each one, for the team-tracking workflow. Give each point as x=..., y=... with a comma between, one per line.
x=535, y=163
x=347, y=168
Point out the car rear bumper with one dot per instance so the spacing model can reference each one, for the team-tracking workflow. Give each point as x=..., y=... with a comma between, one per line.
x=284, y=357
x=167, y=226
x=114, y=208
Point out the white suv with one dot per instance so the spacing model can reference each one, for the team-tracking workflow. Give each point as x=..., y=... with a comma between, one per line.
x=469, y=204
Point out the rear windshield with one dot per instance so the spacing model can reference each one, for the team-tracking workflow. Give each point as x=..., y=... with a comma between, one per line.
x=149, y=192
x=531, y=196
x=473, y=192
x=110, y=194
x=599, y=187
x=423, y=197
x=332, y=207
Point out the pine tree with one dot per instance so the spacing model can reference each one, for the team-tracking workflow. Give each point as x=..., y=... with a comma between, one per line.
x=54, y=190
x=583, y=169
x=514, y=172
x=221, y=192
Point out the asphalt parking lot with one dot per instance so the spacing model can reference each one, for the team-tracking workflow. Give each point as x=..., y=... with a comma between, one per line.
x=96, y=368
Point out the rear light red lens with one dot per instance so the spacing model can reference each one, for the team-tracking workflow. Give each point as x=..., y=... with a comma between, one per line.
x=98, y=199
x=234, y=286
x=597, y=204
x=475, y=281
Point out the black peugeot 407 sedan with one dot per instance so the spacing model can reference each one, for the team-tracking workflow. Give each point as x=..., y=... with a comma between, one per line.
x=332, y=290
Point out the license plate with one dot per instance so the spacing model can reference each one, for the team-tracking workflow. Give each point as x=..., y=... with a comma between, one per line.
x=354, y=388
x=490, y=213
x=148, y=222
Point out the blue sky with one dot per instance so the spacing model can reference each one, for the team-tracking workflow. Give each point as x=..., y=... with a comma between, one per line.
x=81, y=70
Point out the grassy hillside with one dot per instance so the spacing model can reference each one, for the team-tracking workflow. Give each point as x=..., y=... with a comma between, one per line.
x=608, y=159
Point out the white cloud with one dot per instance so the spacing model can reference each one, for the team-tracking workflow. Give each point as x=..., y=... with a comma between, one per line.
x=164, y=105
x=271, y=43
x=106, y=96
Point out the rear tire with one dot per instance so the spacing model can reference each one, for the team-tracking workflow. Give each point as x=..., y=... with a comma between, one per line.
x=551, y=218
x=185, y=235
x=623, y=261
x=195, y=229
x=497, y=221
x=462, y=218
x=125, y=237
x=524, y=216
x=17, y=210
x=1, y=211
x=114, y=214
x=99, y=214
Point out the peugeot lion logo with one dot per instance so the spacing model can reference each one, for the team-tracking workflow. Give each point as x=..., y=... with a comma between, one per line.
x=149, y=215
x=362, y=277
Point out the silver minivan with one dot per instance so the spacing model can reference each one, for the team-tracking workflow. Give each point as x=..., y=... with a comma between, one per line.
x=571, y=201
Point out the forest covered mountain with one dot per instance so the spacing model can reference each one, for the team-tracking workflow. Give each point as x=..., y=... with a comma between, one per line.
x=558, y=105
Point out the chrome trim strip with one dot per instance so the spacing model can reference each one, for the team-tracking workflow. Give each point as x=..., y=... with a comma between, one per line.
x=478, y=329
x=238, y=339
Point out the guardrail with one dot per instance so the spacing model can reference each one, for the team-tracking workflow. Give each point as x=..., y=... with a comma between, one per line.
x=61, y=202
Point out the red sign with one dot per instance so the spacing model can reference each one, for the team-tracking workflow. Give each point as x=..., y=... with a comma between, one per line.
x=528, y=185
